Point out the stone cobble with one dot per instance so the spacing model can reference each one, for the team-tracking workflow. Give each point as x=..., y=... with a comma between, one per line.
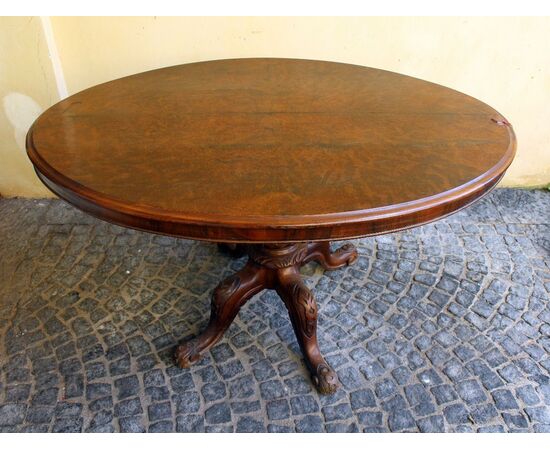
x=442, y=328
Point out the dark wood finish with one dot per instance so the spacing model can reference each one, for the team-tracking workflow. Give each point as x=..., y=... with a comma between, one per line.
x=270, y=158
x=270, y=150
x=274, y=266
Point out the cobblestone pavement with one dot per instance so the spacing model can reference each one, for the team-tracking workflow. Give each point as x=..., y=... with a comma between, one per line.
x=445, y=327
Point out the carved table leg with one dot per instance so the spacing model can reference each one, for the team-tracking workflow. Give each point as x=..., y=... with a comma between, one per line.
x=228, y=297
x=302, y=309
x=273, y=266
x=321, y=253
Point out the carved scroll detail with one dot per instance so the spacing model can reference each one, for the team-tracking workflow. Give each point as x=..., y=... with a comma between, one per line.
x=304, y=299
x=277, y=260
x=273, y=266
x=224, y=290
x=347, y=250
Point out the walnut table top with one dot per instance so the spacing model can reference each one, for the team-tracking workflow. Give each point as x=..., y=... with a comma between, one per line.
x=271, y=158
x=270, y=150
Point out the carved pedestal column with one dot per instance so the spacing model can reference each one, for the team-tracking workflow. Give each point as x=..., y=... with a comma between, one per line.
x=273, y=266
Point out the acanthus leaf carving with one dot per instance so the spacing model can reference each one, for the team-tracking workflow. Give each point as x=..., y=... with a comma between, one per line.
x=305, y=300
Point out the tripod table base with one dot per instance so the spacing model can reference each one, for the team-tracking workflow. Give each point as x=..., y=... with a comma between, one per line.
x=273, y=266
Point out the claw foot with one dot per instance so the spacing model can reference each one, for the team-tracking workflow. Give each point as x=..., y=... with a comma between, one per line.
x=187, y=354
x=350, y=251
x=325, y=380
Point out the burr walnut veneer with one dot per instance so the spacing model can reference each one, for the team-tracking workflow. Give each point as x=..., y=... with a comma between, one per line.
x=271, y=158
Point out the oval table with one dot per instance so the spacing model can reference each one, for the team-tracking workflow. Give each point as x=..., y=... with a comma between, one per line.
x=272, y=158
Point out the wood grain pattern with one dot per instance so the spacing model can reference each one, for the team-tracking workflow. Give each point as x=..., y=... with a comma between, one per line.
x=270, y=150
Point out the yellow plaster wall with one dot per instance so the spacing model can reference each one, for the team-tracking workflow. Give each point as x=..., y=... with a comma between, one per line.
x=504, y=62
x=27, y=87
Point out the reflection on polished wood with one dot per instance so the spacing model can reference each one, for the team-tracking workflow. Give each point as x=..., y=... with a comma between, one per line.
x=271, y=158
x=270, y=150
